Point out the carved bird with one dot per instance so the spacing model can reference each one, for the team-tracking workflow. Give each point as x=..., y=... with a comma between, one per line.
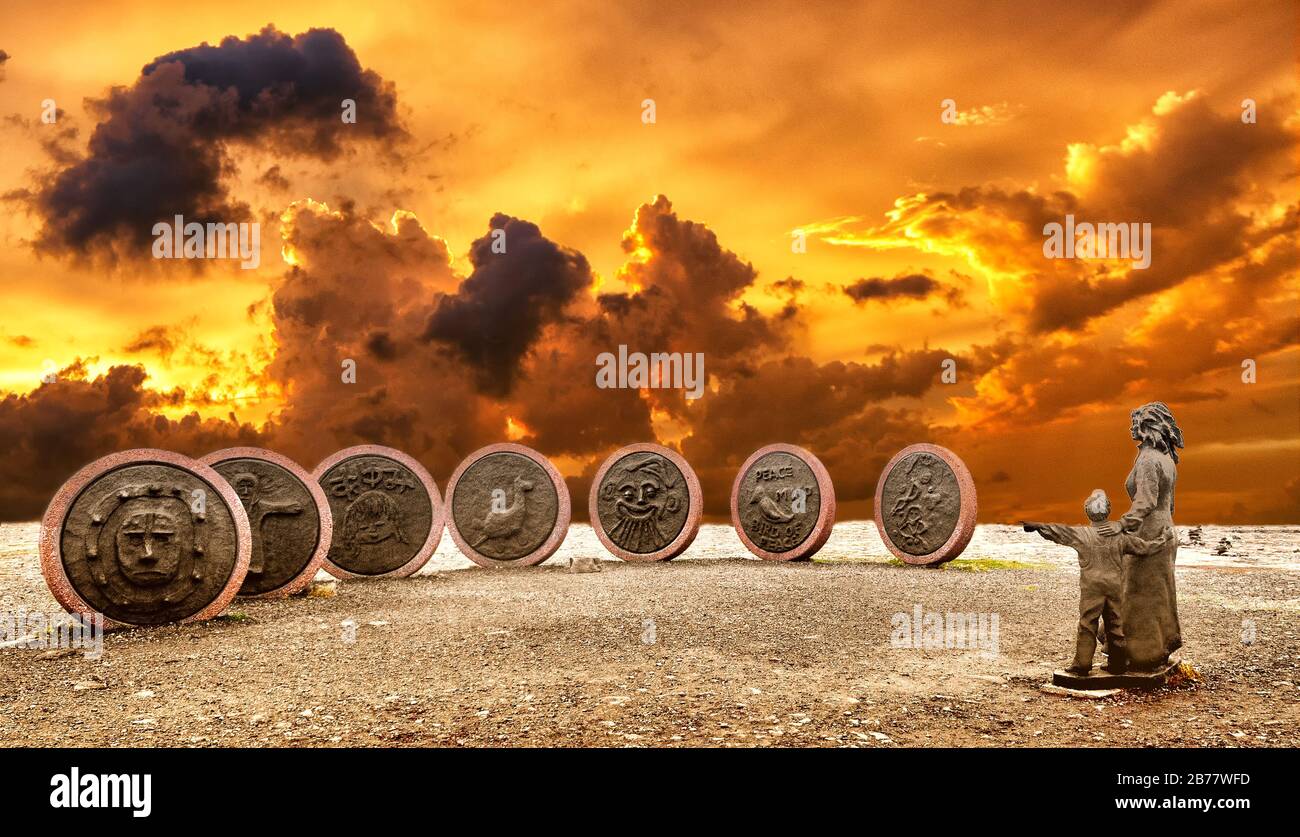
x=770, y=509
x=508, y=521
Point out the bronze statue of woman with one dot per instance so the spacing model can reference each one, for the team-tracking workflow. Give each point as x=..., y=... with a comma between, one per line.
x=1149, y=610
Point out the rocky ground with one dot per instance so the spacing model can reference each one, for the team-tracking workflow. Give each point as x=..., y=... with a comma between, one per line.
x=692, y=653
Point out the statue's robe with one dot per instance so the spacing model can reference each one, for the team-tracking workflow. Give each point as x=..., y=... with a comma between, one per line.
x=1150, y=603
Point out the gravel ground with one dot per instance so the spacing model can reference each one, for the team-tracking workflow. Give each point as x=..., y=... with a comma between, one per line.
x=713, y=652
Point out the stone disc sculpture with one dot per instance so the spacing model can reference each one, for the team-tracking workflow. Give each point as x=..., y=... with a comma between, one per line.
x=145, y=537
x=288, y=514
x=645, y=503
x=925, y=505
x=386, y=509
x=783, y=503
x=509, y=506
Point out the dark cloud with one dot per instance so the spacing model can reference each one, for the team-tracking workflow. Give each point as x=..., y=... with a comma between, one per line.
x=498, y=313
x=907, y=286
x=163, y=145
x=273, y=179
x=54, y=430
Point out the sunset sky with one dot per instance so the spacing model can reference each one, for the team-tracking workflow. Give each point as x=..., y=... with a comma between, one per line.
x=924, y=237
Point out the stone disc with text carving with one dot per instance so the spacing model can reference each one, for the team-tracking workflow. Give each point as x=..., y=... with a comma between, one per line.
x=387, y=512
x=288, y=514
x=145, y=537
x=645, y=503
x=509, y=506
x=783, y=503
x=925, y=505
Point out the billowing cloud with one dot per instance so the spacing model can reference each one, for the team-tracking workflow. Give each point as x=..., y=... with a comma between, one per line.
x=54, y=430
x=521, y=281
x=1196, y=175
x=162, y=145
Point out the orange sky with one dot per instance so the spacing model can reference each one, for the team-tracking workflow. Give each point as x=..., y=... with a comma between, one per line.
x=772, y=118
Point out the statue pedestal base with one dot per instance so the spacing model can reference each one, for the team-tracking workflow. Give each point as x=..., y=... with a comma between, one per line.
x=1101, y=679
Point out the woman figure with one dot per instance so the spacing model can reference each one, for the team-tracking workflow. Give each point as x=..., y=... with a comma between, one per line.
x=1149, y=611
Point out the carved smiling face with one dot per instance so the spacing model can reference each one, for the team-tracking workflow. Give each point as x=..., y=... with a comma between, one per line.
x=149, y=547
x=641, y=495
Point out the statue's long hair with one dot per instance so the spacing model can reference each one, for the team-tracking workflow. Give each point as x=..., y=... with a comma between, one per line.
x=1156, y=427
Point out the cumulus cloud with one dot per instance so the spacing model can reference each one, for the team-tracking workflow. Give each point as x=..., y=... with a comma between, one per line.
x=498, y=312
x=163, y=144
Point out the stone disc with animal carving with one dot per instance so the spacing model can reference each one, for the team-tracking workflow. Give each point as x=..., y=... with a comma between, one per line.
x=387, y=513
x=509, y=506
x=145, y=537
x=925, y=505
x=288, y=514
x=645, y=503
x=783, y=503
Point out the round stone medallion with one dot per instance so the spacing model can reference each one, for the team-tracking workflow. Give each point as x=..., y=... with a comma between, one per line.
x=925, y=505
x=287, y=513
x=145, y=537
x=509, y=506
x=645, y=503
x=386, y=509
x=783, y=503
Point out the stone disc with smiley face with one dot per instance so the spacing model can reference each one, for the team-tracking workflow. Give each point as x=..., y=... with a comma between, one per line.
x=925, y=505
x=783, y=503
x=145, y=537
x=509, y=506
x=386, y=509
x=645, y=503
x=288, y=514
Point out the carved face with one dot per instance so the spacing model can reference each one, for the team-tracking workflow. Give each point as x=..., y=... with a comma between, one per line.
x=373, y=518
x=642, y=495
x=245, y=485
x=149, y=547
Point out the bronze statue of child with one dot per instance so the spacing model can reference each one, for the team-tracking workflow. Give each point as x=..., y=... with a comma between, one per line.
x=1101, y=580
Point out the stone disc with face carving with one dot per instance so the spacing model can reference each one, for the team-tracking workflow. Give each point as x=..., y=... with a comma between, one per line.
x=509, y=506
x=925, y=505
x=645, y=503
x=287, y=513
x=783, y=503
x=145, y=537
x=386, y=509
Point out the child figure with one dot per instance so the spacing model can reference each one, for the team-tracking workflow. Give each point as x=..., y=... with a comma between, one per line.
x=1101, y=580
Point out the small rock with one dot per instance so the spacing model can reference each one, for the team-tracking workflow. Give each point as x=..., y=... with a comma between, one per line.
x=144, y=694
x=323, y=590
x=86, y=685
x=584, y=564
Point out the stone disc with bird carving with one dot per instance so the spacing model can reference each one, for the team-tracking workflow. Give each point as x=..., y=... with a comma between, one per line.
x=783, y=503
x=509, y=506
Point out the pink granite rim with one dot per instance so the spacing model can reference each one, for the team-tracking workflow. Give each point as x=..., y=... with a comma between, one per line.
x=51, y=535
x=965, y=528
x=695, y=501
x=436, y=524
x=300, y=581
x=564, y=512
x=825, y=515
